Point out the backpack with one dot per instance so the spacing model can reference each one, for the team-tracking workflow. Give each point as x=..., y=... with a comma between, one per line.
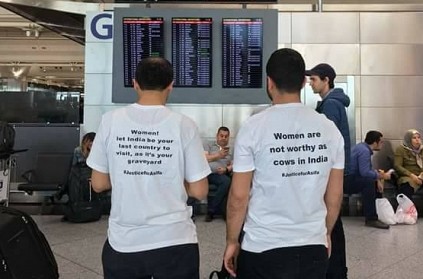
x=7, y=140
x=84, y=205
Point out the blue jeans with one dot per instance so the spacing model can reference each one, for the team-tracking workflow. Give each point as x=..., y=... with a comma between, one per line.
x=222, y=182
x=305, y=262
x=367, y=187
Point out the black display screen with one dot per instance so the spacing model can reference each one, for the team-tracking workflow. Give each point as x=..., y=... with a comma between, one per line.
x=242, y=57
x=192, y=52
x=142, y=37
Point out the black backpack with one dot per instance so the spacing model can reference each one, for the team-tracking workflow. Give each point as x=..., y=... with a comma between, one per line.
x=7, y=140
x=84, y=204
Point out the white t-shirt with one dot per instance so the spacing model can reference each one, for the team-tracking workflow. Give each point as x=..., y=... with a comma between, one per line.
x=291, y=149
x=148, y=151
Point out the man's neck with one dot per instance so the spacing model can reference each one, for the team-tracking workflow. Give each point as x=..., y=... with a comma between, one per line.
x=151, y=98
x=286, y=98
x=324, y=93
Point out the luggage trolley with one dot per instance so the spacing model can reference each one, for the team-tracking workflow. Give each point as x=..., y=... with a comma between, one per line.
x=5, y=171
x=5, y=165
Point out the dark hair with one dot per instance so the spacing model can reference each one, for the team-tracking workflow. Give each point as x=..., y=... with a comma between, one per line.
x=286, y=68
x=154, y=73
x=330, y=83
x=88, y=137
x=223, y=128
x=373, y=136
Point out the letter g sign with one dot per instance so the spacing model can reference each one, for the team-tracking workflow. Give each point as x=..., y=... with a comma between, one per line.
x=103, y=32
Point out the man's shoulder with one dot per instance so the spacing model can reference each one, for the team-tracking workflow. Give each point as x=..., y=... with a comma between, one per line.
x=361, y=147
x=332, y=104
x=210, y=146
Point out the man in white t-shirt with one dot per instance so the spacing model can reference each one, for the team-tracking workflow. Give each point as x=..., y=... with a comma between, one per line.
x=152, y=159
x=287, y=182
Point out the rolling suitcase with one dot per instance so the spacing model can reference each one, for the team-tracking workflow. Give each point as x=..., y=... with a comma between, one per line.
x=24, y=250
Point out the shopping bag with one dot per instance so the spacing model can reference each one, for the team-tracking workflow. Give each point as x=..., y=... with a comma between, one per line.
x=406, y=211
x=385, y=211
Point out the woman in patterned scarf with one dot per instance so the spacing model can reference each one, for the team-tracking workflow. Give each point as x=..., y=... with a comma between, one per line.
x=408, y=163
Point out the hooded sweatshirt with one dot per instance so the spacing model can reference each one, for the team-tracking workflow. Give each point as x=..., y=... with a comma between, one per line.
x=334, y=106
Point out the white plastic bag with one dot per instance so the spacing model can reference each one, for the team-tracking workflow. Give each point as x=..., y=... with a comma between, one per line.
x=406, y=211
x=385, y=211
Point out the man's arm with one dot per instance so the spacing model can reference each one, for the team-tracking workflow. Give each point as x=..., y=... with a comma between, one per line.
x=365, y=165
x=238, y=198
x=198, y=189
x=211, y=157
x=100, y=181
x=333, y=197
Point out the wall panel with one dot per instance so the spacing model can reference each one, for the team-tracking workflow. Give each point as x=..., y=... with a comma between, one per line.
x=284, y=28
x=391, y=59
x=392, y=122
x=98, y=58
x=392, y=91
x=391, y=28
x=344, y=58
x=97, y=89
x=325, y=28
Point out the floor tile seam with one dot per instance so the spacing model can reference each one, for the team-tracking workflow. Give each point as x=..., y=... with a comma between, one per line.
x=78, y=264
x=70, y=241
x=387, y=267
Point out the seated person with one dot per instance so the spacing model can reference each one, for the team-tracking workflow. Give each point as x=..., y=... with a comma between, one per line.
x=408, y=163
x=220, y=161
x=363, y=178
x=80, y=154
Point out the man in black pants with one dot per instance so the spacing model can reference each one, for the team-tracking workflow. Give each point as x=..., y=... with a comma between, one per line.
x=288, y=206
x=153, y=159
x=333, y=105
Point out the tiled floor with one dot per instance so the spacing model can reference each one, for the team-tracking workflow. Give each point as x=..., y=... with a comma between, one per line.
x=396, y=253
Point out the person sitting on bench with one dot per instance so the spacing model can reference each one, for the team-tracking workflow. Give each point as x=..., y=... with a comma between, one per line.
x=408, y=163
x=81, y=152
x=363, y=178
x=220, y=161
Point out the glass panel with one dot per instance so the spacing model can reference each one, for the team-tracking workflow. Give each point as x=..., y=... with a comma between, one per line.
x=40, y=107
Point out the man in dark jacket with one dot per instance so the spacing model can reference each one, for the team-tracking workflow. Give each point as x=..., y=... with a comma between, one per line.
x=333, y=105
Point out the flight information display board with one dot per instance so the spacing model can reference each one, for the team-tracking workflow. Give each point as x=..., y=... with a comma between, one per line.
x=242, y=52
x=142, y=37
x=218, y=55
x=192, y=52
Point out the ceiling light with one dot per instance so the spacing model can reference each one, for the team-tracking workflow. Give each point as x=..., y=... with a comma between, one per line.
x=17, y=71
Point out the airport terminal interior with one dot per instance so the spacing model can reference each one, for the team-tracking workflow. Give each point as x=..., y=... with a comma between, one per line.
x=63, y=65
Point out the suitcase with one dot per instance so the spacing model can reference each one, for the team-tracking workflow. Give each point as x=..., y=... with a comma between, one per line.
x=24, y=250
